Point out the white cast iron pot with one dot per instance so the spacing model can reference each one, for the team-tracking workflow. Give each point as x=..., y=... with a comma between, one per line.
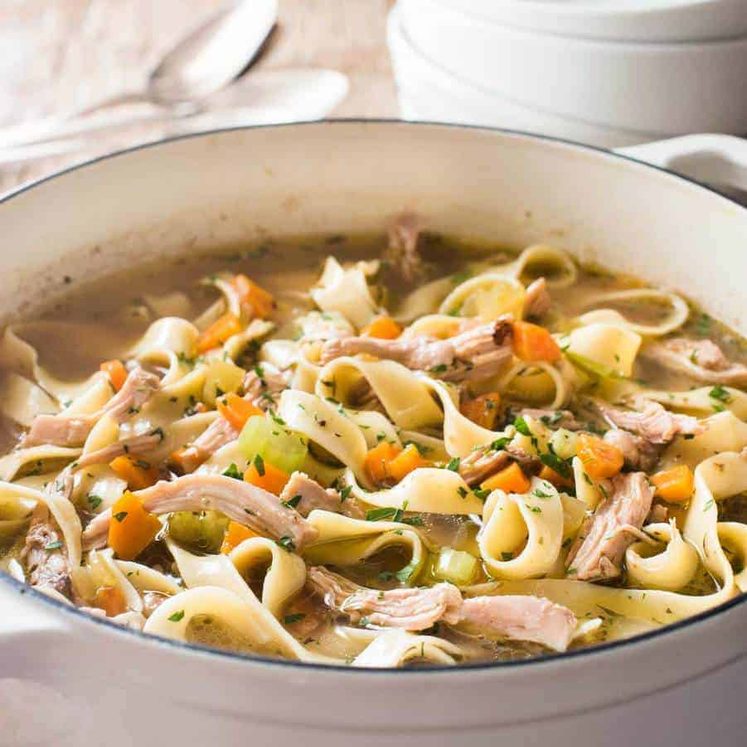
x=68, y=679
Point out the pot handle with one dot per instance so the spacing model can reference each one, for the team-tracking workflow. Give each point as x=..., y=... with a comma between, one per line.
x=718, y=160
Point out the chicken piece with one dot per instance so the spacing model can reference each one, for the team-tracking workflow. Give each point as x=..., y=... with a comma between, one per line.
x=475, y=354
x=219, y=433
x=44, y=553
x=485, y=461
x=654, y=423
x=72, y=430
x=238, y=500
x=537, y=302
x=521, y=618
x=305, y=495
x=701, y=360
x=132, y=446
x=402, y=252
x=557, y=418
x=598, y=551
x=263, y=384
x=409, y=609
x=517, y=617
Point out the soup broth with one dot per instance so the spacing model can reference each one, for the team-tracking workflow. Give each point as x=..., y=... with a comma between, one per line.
x=379, y=451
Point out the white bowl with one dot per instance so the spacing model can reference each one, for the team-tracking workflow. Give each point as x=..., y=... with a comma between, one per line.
x=630, y=20
x=675, y=88
x=79, y=675
x=429, y=93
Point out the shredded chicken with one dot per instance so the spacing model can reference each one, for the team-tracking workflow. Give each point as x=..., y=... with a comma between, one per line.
x=72, y=430
x=523, y=618
x=305, y=495
x=133, y=446
x=556, y=418
x=653, y=422
x=485, y=461
x=598, y=550
x=238, y=500
x=475, y=354
x=263, y=384
x=702, y=360
x=44, y=553
x=537, y=302
x=404, y=233
x=217, y=434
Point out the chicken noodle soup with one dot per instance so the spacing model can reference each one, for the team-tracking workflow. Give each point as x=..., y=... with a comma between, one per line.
x=376, y=453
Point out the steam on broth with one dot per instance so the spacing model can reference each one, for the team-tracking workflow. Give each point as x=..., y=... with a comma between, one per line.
x=382, y=452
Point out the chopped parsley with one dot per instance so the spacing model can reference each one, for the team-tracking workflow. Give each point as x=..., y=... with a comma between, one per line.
x=554, y=462
x=286, y=543
x=720, y=393
x=177, y=616
x=292, y=502
x=453, y=464
x=259, y=465
x=345, y=493
x=56, y=545
x=387, y=513
x=294, y=618
x=121, y=516
x=521, y=425
x=94, y=501
x=233, y=471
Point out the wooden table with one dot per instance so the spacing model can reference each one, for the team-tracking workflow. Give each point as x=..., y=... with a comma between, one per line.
x=59, y=55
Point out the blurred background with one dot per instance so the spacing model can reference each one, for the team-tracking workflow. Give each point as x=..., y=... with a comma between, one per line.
x=79, y=78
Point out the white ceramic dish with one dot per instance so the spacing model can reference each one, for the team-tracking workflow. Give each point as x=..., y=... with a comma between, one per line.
x=666, y=88
x=77, y=677
x=620, y=20
x=429, y=93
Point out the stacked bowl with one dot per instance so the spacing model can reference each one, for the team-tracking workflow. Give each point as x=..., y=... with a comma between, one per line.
x=606, y=72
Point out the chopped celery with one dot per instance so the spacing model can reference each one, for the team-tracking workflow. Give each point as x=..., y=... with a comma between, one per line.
x=273, y=442
x=587, y=365
x=199, y=530
x=456, y=566
x=221, y=377
x=563, y=443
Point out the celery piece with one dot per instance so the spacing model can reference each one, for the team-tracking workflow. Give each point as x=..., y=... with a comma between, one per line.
x=273, y=442
x=198, y=530
x=587, y=365
x=456, y=566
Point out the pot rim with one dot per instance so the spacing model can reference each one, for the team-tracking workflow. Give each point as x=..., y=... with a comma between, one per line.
x=180, y=646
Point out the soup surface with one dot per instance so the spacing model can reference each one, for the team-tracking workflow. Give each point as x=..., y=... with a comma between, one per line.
x=376, y=451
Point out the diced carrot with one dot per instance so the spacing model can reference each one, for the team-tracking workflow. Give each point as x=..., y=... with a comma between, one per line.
x=111, y=600
x=383, y=327
x=259, y=299
x=378, y=460
x=509, y=480
x=235, y=535
x=534, y=343
x=137, y=474
x=674, y=484
x=218, y=332
x=185, y=460
x=483, y=410
x=237, y=410
x=600, y=459
x=555, y=478
x=267, y=476
x=131, y=528
x=116, y=372
x=406, y=461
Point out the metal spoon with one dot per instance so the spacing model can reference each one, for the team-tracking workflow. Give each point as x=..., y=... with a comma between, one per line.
x=202, y=63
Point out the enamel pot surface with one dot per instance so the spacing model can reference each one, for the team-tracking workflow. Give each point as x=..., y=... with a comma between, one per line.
x=69, y=679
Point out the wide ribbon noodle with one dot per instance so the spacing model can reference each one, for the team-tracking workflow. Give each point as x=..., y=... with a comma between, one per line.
x=355, y=483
